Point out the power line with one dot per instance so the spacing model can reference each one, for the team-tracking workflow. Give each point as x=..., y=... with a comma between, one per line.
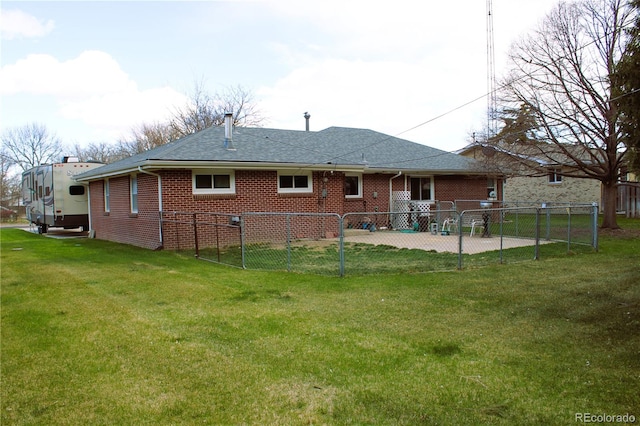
x=490, y=95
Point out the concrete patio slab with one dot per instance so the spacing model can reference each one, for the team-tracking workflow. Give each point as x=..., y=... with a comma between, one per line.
x=437, y=242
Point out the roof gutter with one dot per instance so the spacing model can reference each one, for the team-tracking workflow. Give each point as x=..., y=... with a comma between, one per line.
x=146, y=172
x=159, y=164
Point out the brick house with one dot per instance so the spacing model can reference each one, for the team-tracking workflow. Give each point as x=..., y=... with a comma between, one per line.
x=237, y=170
x=549, y=187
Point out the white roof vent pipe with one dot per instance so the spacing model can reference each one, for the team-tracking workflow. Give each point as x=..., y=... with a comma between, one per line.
x=228, y=131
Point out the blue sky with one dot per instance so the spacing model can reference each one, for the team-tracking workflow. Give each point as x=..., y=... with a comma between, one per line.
x=91, y=70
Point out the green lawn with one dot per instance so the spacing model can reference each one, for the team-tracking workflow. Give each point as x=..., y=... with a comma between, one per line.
x=99, y=333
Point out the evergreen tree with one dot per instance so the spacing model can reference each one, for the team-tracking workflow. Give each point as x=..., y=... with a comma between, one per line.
x=627, y=80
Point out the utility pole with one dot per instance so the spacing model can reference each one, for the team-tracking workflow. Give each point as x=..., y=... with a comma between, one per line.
x=492, y=128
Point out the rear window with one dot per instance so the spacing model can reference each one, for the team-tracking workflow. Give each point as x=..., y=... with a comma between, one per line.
x=76, y=190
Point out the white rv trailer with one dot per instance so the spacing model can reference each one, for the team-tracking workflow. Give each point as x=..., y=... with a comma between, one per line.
x=53, y=198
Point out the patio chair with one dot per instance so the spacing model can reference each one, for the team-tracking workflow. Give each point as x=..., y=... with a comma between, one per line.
x=448, y=223
x=476, y=223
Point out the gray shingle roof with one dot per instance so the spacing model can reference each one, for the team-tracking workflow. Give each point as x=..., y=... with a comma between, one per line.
x=331, y=149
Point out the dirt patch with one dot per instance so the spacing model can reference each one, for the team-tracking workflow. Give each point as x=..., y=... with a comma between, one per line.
x=619, y=233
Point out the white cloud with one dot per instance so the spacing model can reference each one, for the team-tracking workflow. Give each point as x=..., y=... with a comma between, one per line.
x=372, y=64
x=91, y=73
x=17, y=24
x=404, y=28
x=393, y=66
x=390, y=97
x=91, y=89
x=117, y=112
x=386, y=67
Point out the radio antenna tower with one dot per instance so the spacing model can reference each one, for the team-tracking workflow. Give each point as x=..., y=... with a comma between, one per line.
x=492, y=128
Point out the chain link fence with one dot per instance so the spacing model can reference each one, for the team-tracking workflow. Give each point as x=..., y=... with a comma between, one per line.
x=295, y=242
x=208, y=236
x=384, y=242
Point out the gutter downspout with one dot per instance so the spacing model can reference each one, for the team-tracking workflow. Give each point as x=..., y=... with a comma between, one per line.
x=90, y=231
x=391, y=192
x=141, y=170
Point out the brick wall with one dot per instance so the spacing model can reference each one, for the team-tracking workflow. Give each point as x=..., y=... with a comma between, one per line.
x=119, y=224
x=256, y=191
x=450, y=188
x=538, y=189
x=375, y=195
x=447, y=188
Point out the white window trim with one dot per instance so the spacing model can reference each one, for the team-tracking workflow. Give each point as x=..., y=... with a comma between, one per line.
x=491, y=189
x=133, y=182
x=307, y=190
x=359, y=176
x=432, y=185
x=211, y=172
x=107, y=196
x=555, y=173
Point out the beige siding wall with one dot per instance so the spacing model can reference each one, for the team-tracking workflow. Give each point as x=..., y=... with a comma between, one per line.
x=538, y=189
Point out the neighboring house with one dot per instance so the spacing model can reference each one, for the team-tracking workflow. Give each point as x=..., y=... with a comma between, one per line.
x=237, y=170
x=552, y=188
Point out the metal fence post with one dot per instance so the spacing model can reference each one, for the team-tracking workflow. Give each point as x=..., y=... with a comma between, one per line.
x=594, y=225
x=460, y=222
x=288, y=221
x=341, y=244
x=195, y=235
x=217, y=238
x=569, y=228
x=161, y=228
x=176, y=226
x=501, y=216
x=536, y=255
x=548, y=217
x=242, y=247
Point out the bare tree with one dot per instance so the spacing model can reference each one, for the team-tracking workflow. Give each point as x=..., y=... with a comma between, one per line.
x=99, y=152
x=204, y=110
x=201, y=111
x=147, y=136
x=31, y=145
x=241, y=103
x=561, y=75
x=9, y=181
x=198, y=114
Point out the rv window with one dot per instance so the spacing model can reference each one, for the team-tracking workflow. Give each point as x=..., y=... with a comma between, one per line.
x=76, y=190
